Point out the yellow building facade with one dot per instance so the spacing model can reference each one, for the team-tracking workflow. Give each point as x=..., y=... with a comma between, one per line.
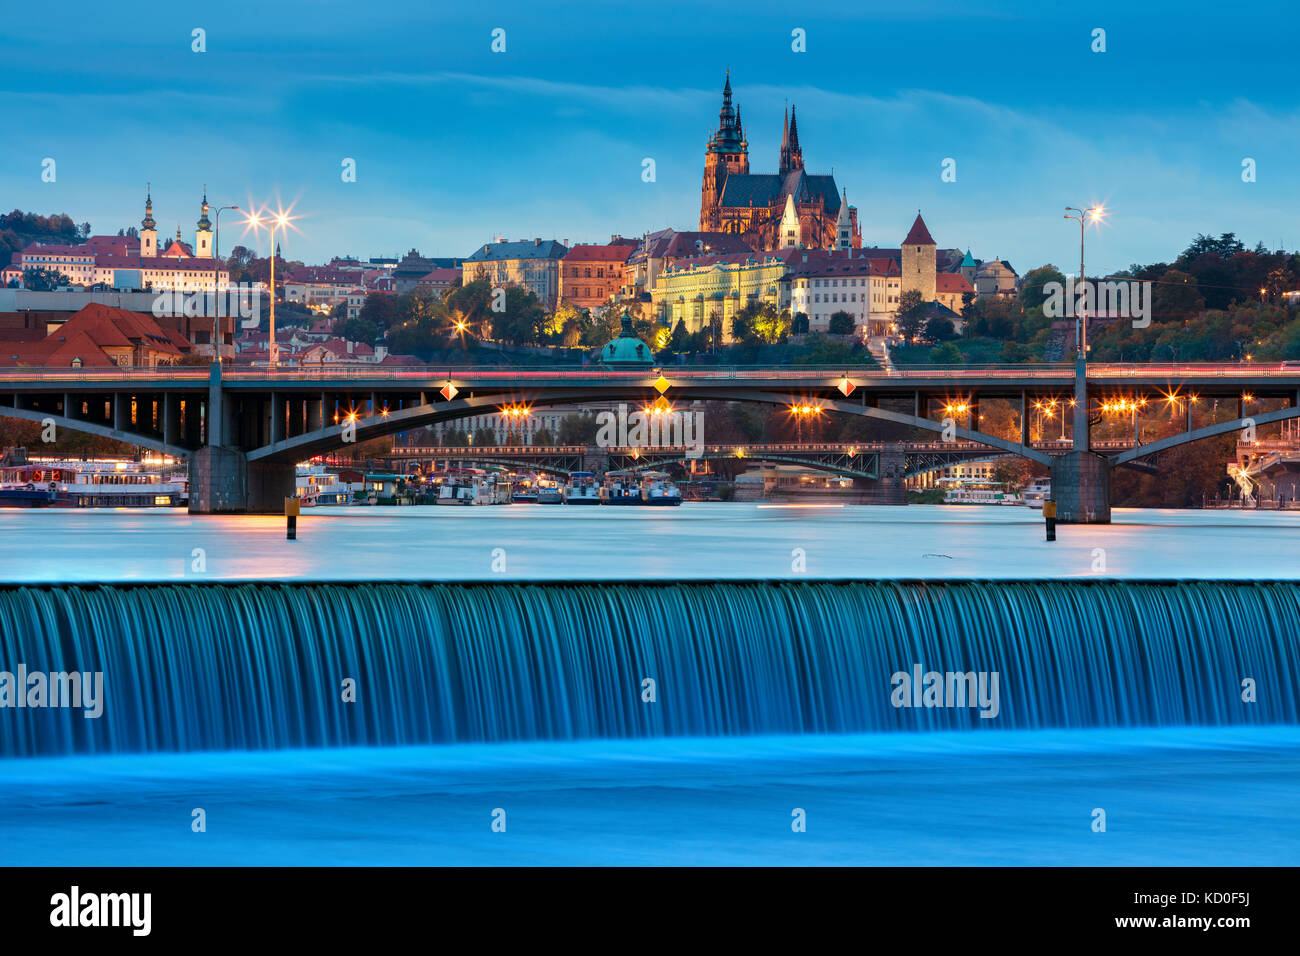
x=693, y=291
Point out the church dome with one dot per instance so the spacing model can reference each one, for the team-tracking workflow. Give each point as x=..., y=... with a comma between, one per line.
x=626, y=351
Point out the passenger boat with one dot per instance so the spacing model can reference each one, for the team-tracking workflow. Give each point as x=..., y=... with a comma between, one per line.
x=316, y=485
x=457, y=488
x=25, y=487
x=549, y=492
x=492, y=489
x=620, y=488
x=524, y=491
x=981, y=496
x=89, y=484
x=582, y=488
x=658, y=490
x=1036, y=492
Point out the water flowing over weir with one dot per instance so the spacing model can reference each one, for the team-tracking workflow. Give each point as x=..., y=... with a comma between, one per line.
x=261, y=666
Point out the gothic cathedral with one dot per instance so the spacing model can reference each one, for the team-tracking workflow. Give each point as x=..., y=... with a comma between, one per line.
x=788, y=209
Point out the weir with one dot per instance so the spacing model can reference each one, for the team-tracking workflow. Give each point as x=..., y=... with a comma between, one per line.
x=193, y=667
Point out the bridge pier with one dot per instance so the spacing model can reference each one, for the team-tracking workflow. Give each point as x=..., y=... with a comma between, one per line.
x=890, y=487
x=224, y=481
x=1081, y=488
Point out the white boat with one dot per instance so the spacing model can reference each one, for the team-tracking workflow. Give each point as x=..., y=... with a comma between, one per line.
x=582, y=488
x=980, y=496
x=1036, y=492
x=94, y=484
x=458, y=488
x=658, y=490
x=317, y=485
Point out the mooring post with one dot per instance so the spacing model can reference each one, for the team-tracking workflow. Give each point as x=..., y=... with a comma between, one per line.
x=291, y=506
x=1049, y=516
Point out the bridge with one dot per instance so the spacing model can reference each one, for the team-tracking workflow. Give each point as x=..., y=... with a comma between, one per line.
x=244, y=428
x=848, y=459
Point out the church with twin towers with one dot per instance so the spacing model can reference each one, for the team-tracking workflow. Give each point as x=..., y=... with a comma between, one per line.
x=788, y=209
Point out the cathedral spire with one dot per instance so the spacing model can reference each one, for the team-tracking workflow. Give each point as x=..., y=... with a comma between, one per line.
x=728, y=138
x=791, y=155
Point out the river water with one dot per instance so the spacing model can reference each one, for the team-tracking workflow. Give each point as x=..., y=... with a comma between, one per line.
x=1119, y=692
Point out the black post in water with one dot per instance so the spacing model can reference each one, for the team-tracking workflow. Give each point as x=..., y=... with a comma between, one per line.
x=1049, y=515
x=291, y=518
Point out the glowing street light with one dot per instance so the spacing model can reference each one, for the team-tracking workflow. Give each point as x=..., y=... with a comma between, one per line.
x=282, y=220
x=1093, y=215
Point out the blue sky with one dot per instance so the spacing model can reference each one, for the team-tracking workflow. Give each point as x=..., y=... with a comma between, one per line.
x=455, y=144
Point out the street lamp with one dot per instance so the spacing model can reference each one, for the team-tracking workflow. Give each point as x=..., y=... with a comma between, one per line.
x=1092, y=214
x=279, y=220
x=216, y=283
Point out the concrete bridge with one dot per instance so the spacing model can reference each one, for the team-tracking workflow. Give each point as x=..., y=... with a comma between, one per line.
x=245, y=428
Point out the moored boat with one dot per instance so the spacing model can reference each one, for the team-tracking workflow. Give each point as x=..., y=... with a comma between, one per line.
x=89, y=484
x=549, y=492
x=582, y=488
x=658, y=490
x=620, y=488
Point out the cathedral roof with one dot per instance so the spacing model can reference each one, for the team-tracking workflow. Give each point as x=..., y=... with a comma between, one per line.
x=765, y=189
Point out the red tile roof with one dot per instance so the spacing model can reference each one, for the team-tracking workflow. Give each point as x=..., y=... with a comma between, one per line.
x=610, y=253
x=952, y=282
x=52, y=249
x=919, y=235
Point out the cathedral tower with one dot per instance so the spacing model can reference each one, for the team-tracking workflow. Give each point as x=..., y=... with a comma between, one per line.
x=726, y=153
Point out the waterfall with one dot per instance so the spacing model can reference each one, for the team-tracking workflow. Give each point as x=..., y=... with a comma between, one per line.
x=262, y=666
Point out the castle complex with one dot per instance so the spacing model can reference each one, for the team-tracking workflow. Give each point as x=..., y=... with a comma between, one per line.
x=789, y=209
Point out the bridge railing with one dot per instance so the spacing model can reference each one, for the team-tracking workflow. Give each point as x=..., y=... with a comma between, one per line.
x=675, y=373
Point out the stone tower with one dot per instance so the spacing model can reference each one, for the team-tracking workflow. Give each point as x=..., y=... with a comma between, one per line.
x=919, y=261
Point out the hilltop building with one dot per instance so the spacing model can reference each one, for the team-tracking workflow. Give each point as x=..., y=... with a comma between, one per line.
x=788, y=209
x=530, y=264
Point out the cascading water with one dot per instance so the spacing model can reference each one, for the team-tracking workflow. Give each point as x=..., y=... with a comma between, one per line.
x=263, y=666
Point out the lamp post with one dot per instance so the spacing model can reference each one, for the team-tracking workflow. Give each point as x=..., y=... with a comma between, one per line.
x=273, y=349
x=216, y=283
x=1081, y=438
x=1083, y=217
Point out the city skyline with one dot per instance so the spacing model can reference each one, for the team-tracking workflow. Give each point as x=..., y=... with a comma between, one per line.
x=455, y=145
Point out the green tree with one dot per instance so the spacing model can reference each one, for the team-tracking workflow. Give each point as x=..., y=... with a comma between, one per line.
x=1176, y=297
x=940, y=329
x=578, y=429
x=841, y=323
x=523, y=320
x=946, y=354
x=40, y=279
x=911, y=314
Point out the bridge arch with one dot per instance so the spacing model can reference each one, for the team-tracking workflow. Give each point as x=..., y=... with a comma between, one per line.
x=419, y=416
x=94, y=428
x=1207, y=431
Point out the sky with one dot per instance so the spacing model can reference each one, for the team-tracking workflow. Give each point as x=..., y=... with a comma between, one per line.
x=455, y=144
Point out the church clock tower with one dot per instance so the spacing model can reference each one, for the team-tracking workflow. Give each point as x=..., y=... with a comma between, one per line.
x=203, y=237
x=148, y=228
